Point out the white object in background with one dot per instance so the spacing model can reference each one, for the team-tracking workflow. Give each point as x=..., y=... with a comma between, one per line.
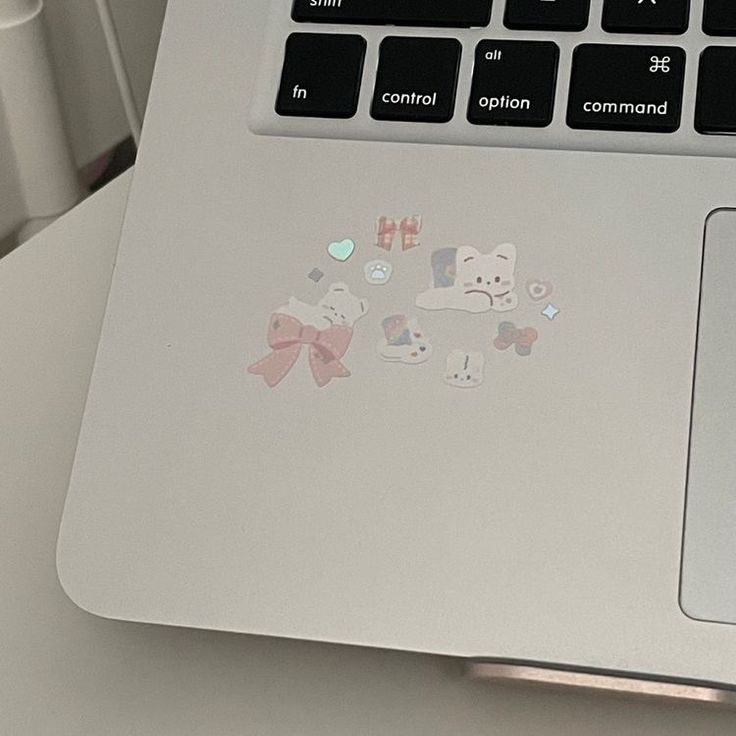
x=121, y=73
x=12, y=207
x=46, y=174
x=90, y=99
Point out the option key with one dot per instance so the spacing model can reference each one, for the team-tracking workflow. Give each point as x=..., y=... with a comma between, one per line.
x=514, y=83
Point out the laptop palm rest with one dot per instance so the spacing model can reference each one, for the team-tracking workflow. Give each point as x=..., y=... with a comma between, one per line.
x=708, y=589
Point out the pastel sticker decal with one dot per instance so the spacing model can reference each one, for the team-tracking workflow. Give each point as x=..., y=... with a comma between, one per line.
x=539, y=290
x=464, y=370
x=466, y=280
x=410, y=228
x=550, y=312
x=378, y=273
x=342, y=250
x=522, y=340
x=387, y=228
x=324, y=329
x=404, y=341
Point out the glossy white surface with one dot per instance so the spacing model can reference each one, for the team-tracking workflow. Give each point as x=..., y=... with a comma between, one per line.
x=540, y=520
x=66, y=673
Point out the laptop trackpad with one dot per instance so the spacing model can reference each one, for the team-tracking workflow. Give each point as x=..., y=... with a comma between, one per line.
x=709, y=560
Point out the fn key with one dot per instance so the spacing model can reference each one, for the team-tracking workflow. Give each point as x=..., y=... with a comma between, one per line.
x=321, y=76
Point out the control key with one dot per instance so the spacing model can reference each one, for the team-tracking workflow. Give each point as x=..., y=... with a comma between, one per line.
x=416, y=79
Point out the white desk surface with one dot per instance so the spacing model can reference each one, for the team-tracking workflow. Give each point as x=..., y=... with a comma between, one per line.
x=63, y=672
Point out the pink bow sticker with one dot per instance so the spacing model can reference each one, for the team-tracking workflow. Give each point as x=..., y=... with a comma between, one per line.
x=286, y=337
x=409, y=227
x=509, y=335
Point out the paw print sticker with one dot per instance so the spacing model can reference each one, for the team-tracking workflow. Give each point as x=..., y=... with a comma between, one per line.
x=378, y=273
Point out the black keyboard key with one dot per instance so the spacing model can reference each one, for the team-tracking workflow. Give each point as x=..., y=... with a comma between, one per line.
x=648, y=16
x=626, y=88
x=449, y=13
x=321, y=76
x=547, y=15
x=719, y=17
x=514, y=83
x=417, y=79
x=715, y=109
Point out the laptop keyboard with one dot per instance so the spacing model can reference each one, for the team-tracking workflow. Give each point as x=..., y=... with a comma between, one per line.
x=586, y=65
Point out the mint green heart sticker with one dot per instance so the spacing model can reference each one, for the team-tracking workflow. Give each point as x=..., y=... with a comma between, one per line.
x=341, y=251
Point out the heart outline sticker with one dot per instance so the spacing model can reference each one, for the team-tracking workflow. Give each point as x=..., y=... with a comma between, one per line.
x=341, y=250
x=538, y=289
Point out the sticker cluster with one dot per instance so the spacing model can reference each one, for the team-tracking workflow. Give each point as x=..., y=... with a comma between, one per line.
x=461, y=279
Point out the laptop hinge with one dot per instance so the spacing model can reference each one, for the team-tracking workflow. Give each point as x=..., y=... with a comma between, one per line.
x=564, y=677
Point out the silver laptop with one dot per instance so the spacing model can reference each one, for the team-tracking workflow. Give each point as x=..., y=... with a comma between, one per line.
x=422, y=335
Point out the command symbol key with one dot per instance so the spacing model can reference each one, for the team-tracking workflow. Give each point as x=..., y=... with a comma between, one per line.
x=626, y=87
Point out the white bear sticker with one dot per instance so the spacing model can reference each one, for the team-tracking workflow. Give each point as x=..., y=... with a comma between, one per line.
x=466, y=280
x=323, y=330
x=337, y=307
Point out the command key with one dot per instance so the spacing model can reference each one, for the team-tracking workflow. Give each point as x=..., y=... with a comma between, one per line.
x=626, y=87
